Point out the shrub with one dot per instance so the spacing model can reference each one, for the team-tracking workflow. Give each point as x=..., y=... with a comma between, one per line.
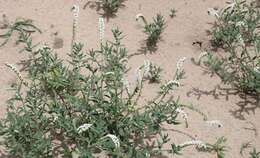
x=85, y=107
x=237, y=31
x=110, y=6
x=153, y=30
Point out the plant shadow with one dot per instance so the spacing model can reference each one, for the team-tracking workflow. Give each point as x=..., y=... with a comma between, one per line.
x=248, y=103
x=106, y=13
x=144, y=49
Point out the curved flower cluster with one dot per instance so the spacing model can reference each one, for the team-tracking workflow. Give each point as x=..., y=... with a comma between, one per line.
x=198, y=143
x=83, y=128
x=215, y=123
x=114, y=139
x=205, y=53
x=180, y=63
x=17, y=72
x=183, y=114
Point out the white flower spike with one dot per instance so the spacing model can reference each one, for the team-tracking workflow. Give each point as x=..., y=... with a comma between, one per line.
x=138, y=77
x=101, y=23
x=140, y=15
x=114, y=139
x=75, y=11
x=257, y=69
x=198, y=143
x=180, y=63
x=183, y=114
x=205, y=53
x=17, y=72
x=147, y=65
x=215, y=123
x=83, y=128
x=214, y=12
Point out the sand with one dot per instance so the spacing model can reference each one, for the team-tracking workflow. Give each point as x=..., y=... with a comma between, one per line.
x=240, y=115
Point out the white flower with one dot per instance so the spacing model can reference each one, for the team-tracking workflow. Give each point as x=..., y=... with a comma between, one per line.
x=180, y=63
x=101, y=23
x=75, y=11
x=115, y=140
x=214, y=12
x=257, y=69
x=241, y=40
x=17, y=72
x=182, y=113
x=45, y=47
x=55, y=118
x=138, y=77
x=173, y=82
x=147, y=65
x=240, y=23
x=123, y=60
x=198, y=143
x=205, y=53
x=83, y=128
x=109, y=73
x=126, y=85
x=139, y=15
x=215, y=123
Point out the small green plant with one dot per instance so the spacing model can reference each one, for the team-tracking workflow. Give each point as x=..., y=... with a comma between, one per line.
x=254, y=154
x=110, y=6
x=153, y=30
x=24, y=28
x=219, y=147
x=152, y=72
x=244, y=146
x=173, y=13
x=237, y=31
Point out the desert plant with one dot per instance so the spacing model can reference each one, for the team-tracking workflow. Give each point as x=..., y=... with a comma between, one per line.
x=152, y=72
x=254, y=154
x=110, y=6
x=24, y=28
x=84, y=107
x=153, y=30
x=237, y=31
x=218, y=147
x=176, y=149
x=173, y=13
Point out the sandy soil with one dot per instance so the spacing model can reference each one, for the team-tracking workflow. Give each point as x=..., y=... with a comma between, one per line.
x=239, y=114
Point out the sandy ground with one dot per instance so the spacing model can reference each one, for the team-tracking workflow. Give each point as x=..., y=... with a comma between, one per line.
x=240, y=115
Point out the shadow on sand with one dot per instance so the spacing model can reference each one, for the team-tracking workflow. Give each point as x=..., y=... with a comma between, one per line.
x=248, y=103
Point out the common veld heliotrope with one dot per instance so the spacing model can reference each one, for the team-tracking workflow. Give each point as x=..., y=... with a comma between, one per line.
x=153, y=30
x=83, y=108
x=237, y=32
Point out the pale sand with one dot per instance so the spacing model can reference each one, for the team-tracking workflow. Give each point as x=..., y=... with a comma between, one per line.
x=240, y=119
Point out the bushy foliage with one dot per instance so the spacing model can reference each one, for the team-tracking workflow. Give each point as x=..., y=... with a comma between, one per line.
x=110, y=6
x=254, y=154
x=85, y=107
x=153, y=30
x=237, y=30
